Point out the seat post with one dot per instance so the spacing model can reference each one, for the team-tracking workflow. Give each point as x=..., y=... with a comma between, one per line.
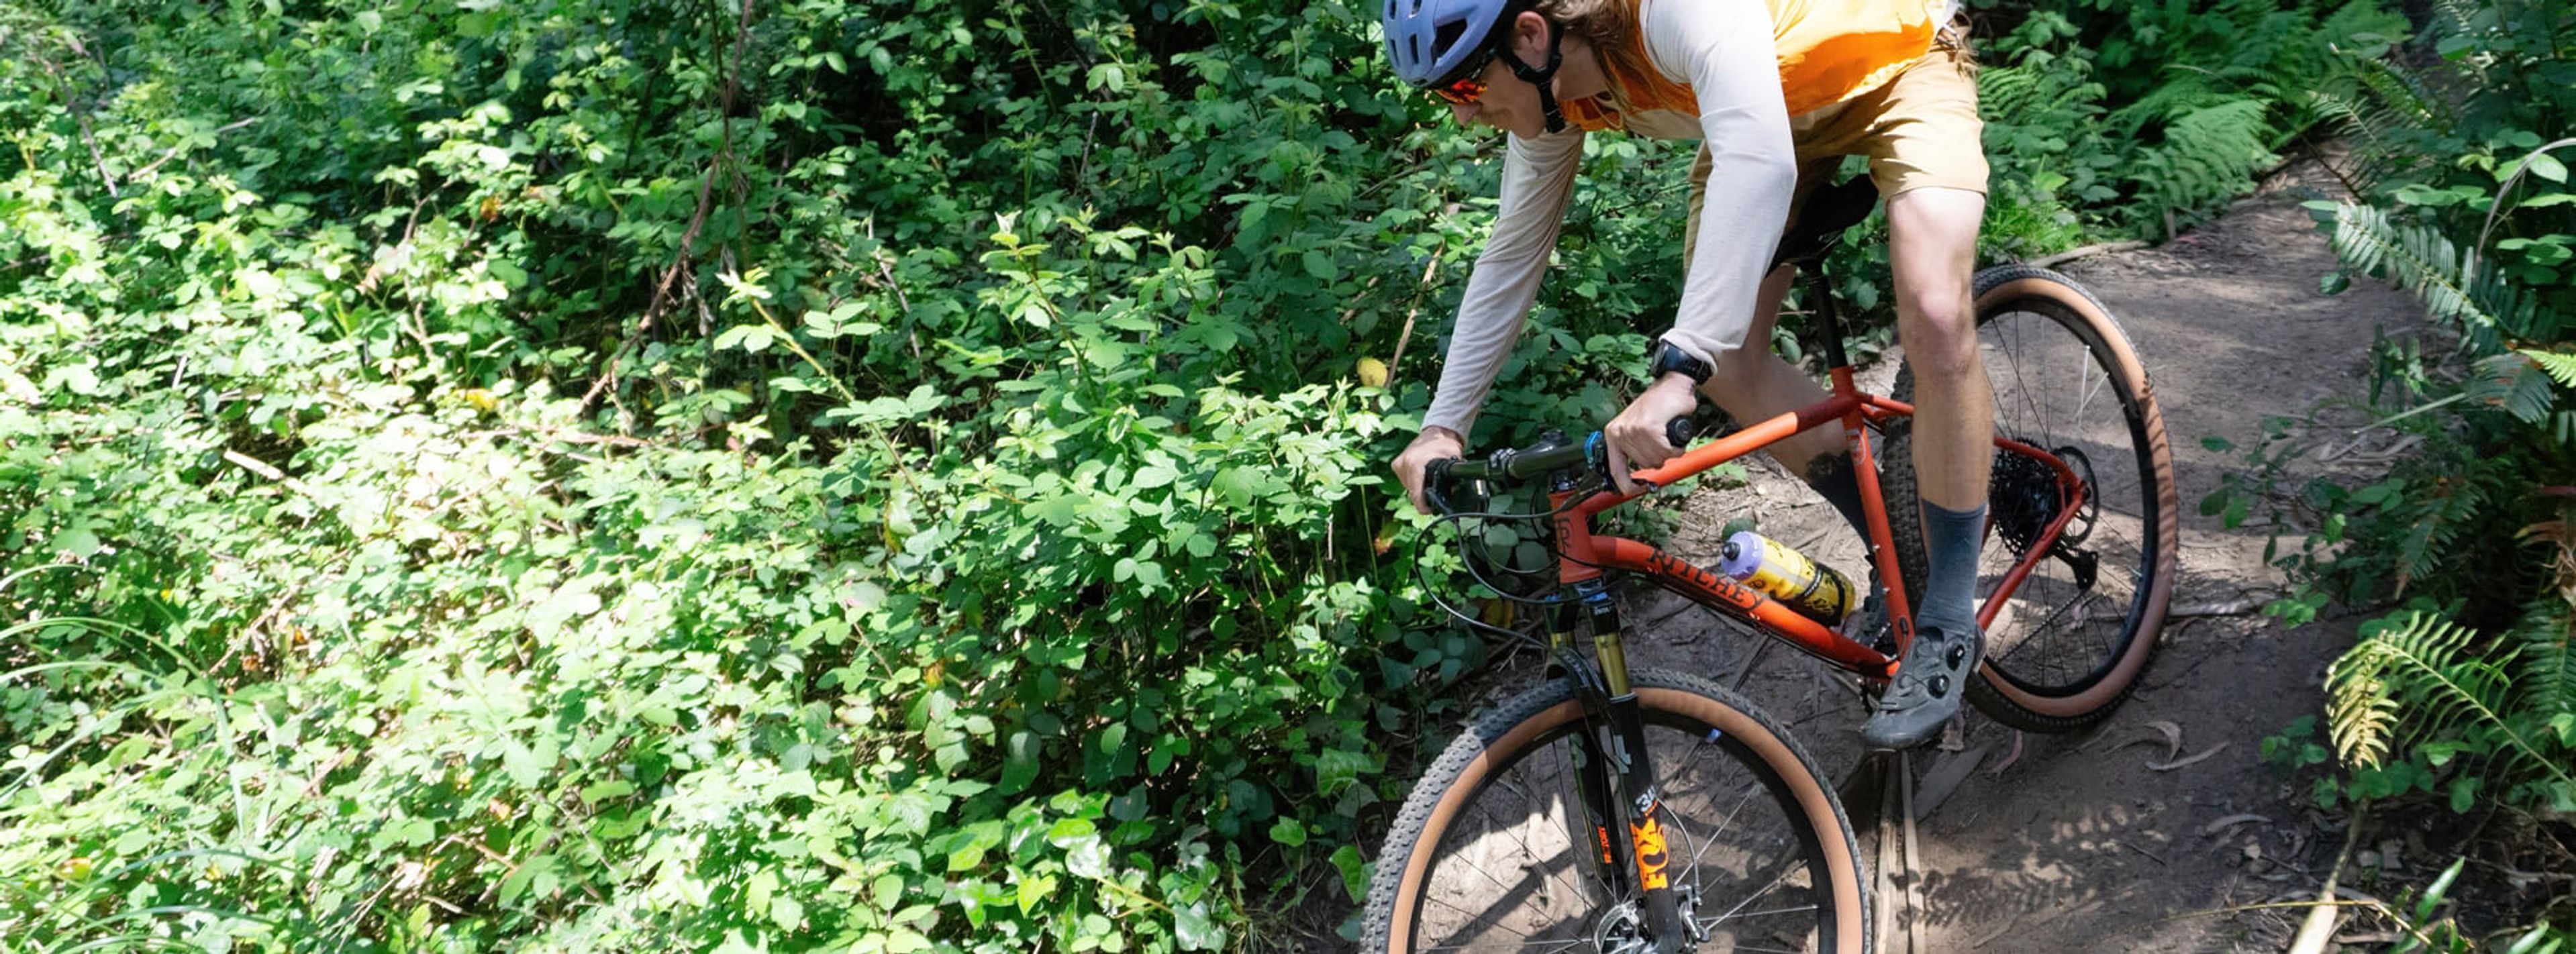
x=1823, y=299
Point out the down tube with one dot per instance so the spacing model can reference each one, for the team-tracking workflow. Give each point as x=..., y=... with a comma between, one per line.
x=1765, y=613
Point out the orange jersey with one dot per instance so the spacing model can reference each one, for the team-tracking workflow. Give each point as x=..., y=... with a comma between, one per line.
x=1829, y=51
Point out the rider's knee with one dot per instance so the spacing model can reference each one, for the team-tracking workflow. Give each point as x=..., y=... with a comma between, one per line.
x=1737, y=387
x=1939, y=333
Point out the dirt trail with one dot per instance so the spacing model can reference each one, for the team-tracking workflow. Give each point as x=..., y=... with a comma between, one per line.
x=2078, y=845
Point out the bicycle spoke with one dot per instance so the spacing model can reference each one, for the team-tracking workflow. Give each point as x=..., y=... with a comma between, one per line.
x=1480, y=919
x=1775, y=881
x=1532, y=854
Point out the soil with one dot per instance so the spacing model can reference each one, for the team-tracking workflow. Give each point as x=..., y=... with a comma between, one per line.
x=2078, y=845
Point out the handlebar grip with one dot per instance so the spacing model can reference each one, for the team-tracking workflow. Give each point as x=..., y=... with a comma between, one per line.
x=1435, y=483
x=1679, y=431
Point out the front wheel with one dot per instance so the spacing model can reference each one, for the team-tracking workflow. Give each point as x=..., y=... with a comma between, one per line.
x=1495, y=850
x=2070, y=642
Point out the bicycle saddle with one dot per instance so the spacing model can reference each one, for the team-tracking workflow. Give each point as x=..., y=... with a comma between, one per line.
x=1827, y=213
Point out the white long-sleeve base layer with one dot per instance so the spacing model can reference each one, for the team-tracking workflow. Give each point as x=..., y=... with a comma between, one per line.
x=1723, y=50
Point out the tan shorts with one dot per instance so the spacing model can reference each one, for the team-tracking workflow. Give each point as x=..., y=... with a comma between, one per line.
x=1920, y=129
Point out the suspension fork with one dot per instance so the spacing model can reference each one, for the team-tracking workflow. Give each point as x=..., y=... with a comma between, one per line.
x=1591, y=834
x=1639, y=802
x=1623, y=809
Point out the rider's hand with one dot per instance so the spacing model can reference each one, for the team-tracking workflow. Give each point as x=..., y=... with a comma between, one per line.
x=1434, y=443
x=1636, y=437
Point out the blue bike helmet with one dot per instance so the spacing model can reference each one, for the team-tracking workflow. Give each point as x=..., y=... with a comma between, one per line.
x=1435, y=43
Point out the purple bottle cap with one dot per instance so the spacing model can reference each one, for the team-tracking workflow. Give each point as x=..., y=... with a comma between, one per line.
x=1741, y=555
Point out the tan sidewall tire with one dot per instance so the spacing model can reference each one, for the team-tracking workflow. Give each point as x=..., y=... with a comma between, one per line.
x=1425, y=821
x=2158, y=597
x=1992, y=693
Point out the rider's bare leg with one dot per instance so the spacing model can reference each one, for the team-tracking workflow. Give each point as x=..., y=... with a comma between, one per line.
x=1932, y=247
x=1753, y=384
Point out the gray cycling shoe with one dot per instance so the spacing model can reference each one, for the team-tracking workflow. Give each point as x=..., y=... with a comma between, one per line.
x=1926, y=690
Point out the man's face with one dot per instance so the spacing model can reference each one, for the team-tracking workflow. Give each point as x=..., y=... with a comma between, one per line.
x=1508, y=103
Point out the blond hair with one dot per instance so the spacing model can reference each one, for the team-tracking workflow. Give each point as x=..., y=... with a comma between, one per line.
x=1607, y=25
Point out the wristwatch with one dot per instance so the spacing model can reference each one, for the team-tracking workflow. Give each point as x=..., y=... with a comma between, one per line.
x=1669, y=359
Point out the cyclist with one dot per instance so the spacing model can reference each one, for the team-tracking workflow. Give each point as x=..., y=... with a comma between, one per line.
x=1774, y=110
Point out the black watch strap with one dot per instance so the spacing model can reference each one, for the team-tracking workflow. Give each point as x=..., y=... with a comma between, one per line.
x=1669, y=359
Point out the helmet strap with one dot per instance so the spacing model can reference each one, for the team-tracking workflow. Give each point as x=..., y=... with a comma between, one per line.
x=1542, y=78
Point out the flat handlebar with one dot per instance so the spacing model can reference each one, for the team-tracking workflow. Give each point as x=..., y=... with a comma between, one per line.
x=1515, y=465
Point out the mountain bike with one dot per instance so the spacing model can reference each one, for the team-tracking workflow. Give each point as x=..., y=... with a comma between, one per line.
x=1625, y=810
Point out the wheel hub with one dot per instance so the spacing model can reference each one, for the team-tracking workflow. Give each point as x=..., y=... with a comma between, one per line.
x=2025, y=496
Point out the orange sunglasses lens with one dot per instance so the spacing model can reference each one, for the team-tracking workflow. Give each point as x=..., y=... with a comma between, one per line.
x=1462, y=92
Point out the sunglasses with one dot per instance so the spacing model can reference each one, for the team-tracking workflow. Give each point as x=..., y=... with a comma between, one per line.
x=1469, y=87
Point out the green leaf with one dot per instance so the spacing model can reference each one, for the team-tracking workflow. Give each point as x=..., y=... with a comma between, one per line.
x=2545, y=166
x=786, y=913
x=1020, y=761
x=592, y=795
x=535, y=869
x=1067, y=833
x=1321, y=266
x=1288, y=832
x=2433, y=893
x=1033, y=891
x=1195, y=930
x=77, y=540
x=1355, y=872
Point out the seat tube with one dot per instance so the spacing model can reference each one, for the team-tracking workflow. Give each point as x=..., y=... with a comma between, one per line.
x=1824, y=306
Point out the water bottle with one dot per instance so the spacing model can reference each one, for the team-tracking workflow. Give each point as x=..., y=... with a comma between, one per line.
x=1814, y=590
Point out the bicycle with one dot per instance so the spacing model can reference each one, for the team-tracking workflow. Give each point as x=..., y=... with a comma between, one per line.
x=1598, y=846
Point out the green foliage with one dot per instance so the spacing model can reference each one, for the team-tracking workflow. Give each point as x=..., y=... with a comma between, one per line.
x=2462, y=697
x=2414, y=914
x=730, y=477
x=2136, y=119
x=2426, y=670
x=622, y=478
x=2480, y=302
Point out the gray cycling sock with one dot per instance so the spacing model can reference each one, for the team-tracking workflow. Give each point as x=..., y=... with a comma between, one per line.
x=1833, y=477
x=1951, y=539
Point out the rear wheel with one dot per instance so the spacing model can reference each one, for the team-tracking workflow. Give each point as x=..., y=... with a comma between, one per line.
x=1494, y=850
x=2069, y=644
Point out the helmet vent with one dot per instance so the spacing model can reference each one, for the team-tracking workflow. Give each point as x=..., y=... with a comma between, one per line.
x=1446, y=35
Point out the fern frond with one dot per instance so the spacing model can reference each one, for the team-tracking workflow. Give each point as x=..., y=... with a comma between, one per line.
x=2361, y=708
x=2183, y=92
x=2457, y=288
x=2443, y=508
x=2512, y=383
x=2421, y=680
x=2208, y=153
x=2418, y=664
x=2548, y=654
x=2561, y=367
